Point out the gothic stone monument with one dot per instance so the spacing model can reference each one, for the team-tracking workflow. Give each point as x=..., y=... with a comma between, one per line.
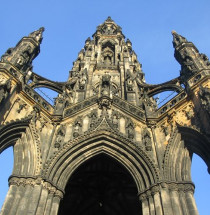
x=104, y=147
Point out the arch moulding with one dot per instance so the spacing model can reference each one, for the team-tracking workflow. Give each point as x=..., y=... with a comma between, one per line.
x=59, y=169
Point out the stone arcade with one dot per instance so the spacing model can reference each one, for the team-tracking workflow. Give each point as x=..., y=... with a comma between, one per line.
x=104, y=147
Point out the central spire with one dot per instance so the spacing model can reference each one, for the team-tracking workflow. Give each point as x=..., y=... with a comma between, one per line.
x=106, y=66
x=109, y=27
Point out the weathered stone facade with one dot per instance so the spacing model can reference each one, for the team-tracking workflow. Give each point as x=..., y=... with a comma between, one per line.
x=104, y=114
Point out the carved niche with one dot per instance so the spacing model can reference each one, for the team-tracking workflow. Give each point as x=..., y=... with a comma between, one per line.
x=93, y=118
x=60, y=135
x=204, y=95
x=130, y=129
x=205, y=60
x=83, y=79
x=59, y=103
x=129, y=81
x=105, y=85
x=146, y=138
x=35, y=114
x=5, y=87
x=77, y=127
x=150, y=103
x=115, y=119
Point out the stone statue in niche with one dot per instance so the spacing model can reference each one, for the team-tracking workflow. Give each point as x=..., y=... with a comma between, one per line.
x=5, y=87
x=35, y=114
x=129, y=80
x=108, y=60
x=24, y=57
x=77, y=127
x=93, y=118
x=60, y=136
x=69, y=99
x=68, y=95
x=149, y=102
x=105, y=85
x=59, y=103
x=130, y=129
x=204, y=95
x=83, y=79
x=188, y=68
x=43, y=123
x=205, y=59
x=189, y=64
x=115, y=119
x=146, y=138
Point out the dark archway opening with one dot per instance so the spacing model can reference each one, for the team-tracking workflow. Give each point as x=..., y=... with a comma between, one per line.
x=101, y=186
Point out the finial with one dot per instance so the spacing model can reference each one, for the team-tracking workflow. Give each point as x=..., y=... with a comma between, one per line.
x=37, y=35
x=177, y=39
x=109, y=19
x=88, y=40
x=128, y=41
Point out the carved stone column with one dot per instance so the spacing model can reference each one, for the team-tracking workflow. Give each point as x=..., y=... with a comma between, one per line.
x=35, y=195
x=18, y=196
x=145, y=204
x=183, y=200
x=157, y=200
x=29, y=196
x=42, y=201
x=24, y=202
x=189, y=190
x=151, y=202
x=9, y=199
x=165, y=197
x=55, y=202
x=48, y=203
x=175, y=198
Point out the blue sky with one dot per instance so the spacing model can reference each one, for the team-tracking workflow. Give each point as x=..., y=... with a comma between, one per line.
x=148, y=24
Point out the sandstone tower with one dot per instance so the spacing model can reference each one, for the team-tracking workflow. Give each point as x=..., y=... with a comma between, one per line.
x=105, y=147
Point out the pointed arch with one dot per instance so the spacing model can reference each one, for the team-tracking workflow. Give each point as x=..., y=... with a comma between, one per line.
x=75, y=153
x=22, y=136
x=196, y=143
x=109, y=189
x=11, y=132
x=183, y=143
